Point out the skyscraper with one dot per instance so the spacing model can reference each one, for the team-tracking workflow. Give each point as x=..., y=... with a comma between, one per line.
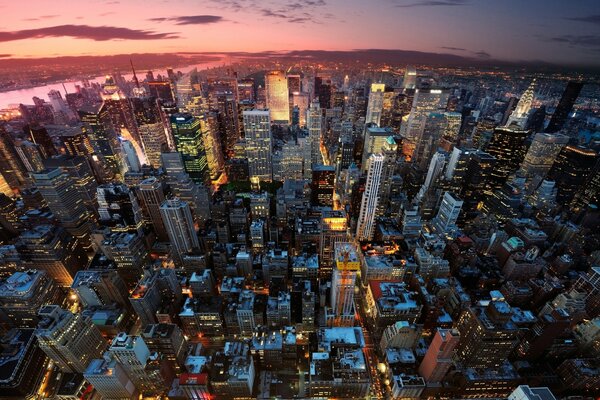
x=179, y=224
x=131, y=158
x=410, y=77
x=323, y=185
x=438, y=359
x=375, y=138
x=508, y=147
x=188, y=141
x=366, y=218
x=519, y=115
x=70, y=340
x=258, y=148
x=314, y=119
x=343, y=281
x=278, y=101
x=425, y=102
x=565, y=105
x=151, y=196
x=448, y=213
x=570, y=171
x=540, y=156
x=375, y=104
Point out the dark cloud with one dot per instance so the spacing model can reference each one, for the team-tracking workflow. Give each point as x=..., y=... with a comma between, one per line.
x=453, y=48
x=191, y=19
x=586, y=41
x=482, y=54
x=40, y=18
x=97, y=33
x=5, y=55
x=433, y=3
x=592, y=19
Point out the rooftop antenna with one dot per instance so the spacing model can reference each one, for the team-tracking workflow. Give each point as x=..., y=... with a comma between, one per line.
x=135, y=79
x=66, y=93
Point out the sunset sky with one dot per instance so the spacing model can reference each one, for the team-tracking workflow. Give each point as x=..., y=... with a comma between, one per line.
x=558, y=31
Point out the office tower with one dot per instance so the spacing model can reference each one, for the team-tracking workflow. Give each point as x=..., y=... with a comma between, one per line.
x=118, y=208
x=62, y=112
x=132, y=353
x=343, y=281
x=487, y=335
x=209, y=124
x=179, y=224
x=150, y=127
x=366, y=219
x=425, y=102
x=334, y=226
x=30, y=155
x=11, y=167
x=524, y=392
x=278, y=102
x=223, y=100
x=323, y=185
x=157, y=292
x=572, y=167
x=99, y=288
x=375, y=139
x=429, y=139
x=541, y=155
x=120, y=112
x=589, y=283
x=167, y=340
x=411, y=223
x=448, y=213
x=436, y=166
x=589, y=194
x=508, y=147
x=161, y=90
x=314, y=119
x=390, y=154
x=258, y=144
x=103, y=137
x=151, y=196
x=519, y=115
x=246, y=90
x=76, y=143
x=565, y=106
x=80, y=171
x=22, y=363
x=70, y=340
x=322, y=91
x=127, y=250
x=188, y=141
x=375, y=104
x=52, y=249
x=65, y=202
x=109, y=379
x=438, y=359
x=235, y=382
x=410, y=77
x=22, y=295
x=39, y=135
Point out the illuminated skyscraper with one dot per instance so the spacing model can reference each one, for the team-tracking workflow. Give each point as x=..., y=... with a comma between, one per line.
x=11, y=166
x=151, y=196
x=131, y=158
x=258, y=148
x=278, y=101
x=425, y=102
x=572, y=167
x=70, y=340
x=323, y=184
x=519, y=115
x=314, y=119
x=366, y=219
x=410, y=77
x=150, y=128
x=375, y=104
x=508, y=147
x=188, y=141
x=541, y=155
x=179, y=223
x=343, y=281
x=565, y=106
x=375, y=139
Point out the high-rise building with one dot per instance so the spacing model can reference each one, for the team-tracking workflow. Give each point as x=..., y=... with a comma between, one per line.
x=410, y=77
x=565, y=106
x=168, y=340
x=109, y=379
x=541, y=154
x=343, y=281
x=314, y=119
x=572, y=167
x=323, y=185
x=52, y=249
x=179, y=224
x=257, y=129
x=365, y=227
x=100, y=288
x=521, y=112
x=524, y=392
x=375, y=139
x=151, y=196
x=448, y=213
x=375, y=104
x=22, y=295
x=10, y=164
x=118, y=208
x=65, y=202
x=70, y=340
x=438, y=359
x=278, y=100
x=188, y=141
x=508, y=147
x=487, y=335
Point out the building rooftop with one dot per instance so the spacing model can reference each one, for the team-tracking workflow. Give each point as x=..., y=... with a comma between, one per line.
x=20, y=284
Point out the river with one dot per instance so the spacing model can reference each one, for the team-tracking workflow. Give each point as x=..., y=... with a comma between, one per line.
x=24, y=96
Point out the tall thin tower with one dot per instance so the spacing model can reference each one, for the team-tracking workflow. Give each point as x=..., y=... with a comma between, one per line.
x=368, y=206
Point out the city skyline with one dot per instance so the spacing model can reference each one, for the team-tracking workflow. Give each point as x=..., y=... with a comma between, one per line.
x=536, y=31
